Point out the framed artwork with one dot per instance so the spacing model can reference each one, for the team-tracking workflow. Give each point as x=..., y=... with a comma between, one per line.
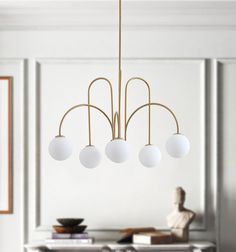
x=5, y=146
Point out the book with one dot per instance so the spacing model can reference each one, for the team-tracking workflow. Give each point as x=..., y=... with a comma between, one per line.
x=138, y=230
x=126, y=238
x=61, y=236
x=70, y=236
x=80, y=236
x=153, y=238
x=71, y=241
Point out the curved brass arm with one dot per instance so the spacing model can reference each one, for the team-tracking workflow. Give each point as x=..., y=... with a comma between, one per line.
x=149, y=101
x=89, y=112
x=115, y=124
x=151, y=104
x=83, y=105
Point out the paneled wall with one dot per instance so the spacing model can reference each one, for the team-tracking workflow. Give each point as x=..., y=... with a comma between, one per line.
x=226, y=156
x=189, y=62
x=11, y=225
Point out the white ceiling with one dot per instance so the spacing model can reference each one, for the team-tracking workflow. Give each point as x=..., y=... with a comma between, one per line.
x=145, y=14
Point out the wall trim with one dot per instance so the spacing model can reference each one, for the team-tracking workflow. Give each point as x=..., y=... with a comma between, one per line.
x=21, y=64
x=24, y=176
x=217, y=63
x=73, y=15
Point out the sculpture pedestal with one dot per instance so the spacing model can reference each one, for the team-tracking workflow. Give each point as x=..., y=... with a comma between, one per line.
x=180, y=234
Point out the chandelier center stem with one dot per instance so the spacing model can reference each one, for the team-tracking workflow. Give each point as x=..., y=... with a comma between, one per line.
x=120, y=72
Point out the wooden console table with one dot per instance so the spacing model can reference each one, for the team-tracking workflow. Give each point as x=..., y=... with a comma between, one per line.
x=43, y=246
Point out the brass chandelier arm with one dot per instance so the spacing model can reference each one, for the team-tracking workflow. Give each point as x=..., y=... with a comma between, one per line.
x=149, y=101
x=115, y=123
x=89, y=108
x=83, y=105
x=151, y=104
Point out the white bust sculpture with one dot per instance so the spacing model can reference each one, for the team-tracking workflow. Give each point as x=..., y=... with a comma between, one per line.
x=180, y=218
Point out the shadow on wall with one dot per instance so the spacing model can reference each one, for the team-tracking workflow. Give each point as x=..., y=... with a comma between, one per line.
x=228, y=224
x=199, y=219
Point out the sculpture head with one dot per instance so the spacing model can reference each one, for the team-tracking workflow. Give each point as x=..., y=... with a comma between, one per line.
x=179, y=197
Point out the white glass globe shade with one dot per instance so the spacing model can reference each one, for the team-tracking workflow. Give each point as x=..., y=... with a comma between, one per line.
x=118, y=150
x=90, y=157
x=178, y=146
x=150, y=156
x=60, y=148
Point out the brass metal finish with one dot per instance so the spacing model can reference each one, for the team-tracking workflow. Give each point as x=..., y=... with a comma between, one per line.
x=151, y=104
x=89, y=109
x=115, y=123
x=83, y=105
x=120, y=38
x=115, y=119
x=149, y=101
x=120, y=71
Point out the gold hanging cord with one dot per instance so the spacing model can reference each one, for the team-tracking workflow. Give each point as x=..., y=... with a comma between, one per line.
x=120, y=72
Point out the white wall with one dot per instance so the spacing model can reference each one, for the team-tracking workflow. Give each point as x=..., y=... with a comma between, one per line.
x=52, y=56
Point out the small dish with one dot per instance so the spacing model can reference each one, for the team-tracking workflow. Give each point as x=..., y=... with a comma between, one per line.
x=70, y=230
x=70, y=222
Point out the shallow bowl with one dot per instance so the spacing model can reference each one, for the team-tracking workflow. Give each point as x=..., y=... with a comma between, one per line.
x=70, y=222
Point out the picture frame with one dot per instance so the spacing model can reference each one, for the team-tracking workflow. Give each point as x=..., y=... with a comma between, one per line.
x=5, y=145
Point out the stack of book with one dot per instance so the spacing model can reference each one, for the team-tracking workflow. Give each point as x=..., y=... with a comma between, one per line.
x=145, y=235
x=128, y=233
x=70, y=231
x=150, y=238
x=78, y=238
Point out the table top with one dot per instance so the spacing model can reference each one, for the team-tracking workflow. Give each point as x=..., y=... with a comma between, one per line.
x=71, y=245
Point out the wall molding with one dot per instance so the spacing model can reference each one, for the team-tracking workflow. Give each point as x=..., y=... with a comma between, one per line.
x=36, y=224
x=22, y=68
x=73, y=15
x=219, y=63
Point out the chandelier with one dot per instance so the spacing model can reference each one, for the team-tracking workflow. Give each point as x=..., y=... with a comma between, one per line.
x=118, y=149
